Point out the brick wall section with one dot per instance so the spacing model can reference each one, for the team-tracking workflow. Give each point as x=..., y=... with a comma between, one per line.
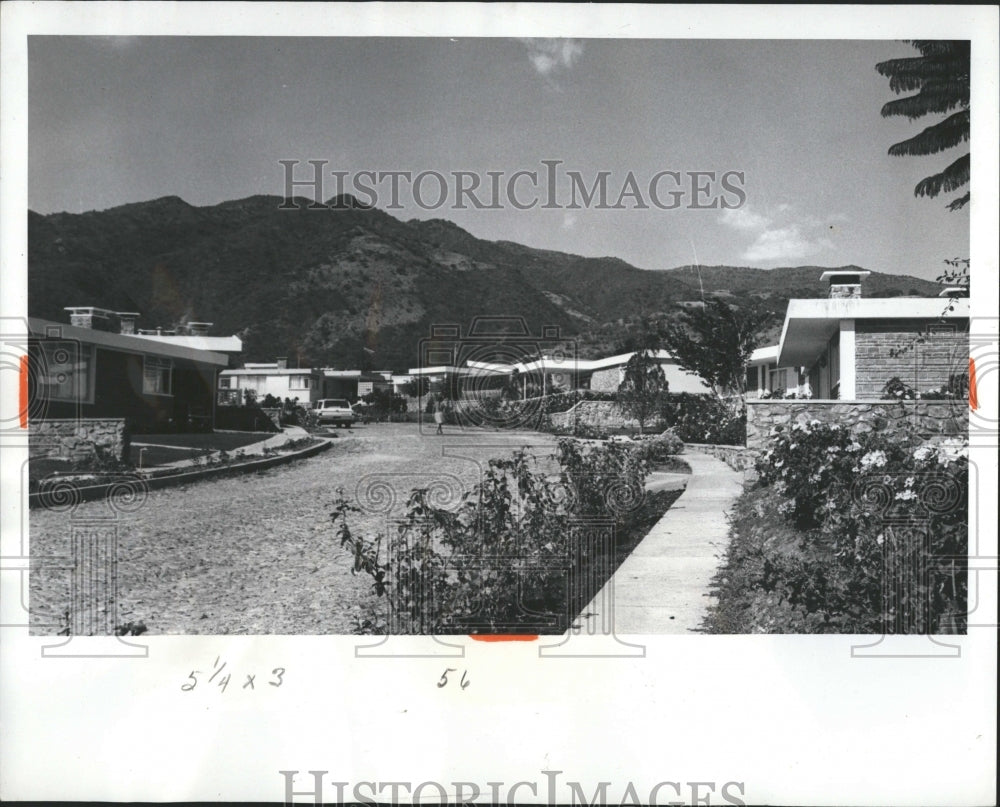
x=76, y=439
x=923, y=365
x=929, y=418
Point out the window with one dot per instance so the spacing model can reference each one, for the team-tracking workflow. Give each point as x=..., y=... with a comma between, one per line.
x=225, y=382
x=298, y=381
x=156, y=375
x=67, y=372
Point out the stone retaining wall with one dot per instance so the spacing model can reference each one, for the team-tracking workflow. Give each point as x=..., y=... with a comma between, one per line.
x=598, y=415
x=736, y=457
x=77, y=438
x=928, y=418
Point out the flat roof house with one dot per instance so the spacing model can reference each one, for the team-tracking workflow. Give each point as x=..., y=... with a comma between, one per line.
x=271, y=378
x=354, y=384
x=98, y=367
x=848, y=346
x=766, y=379
x=568, y=373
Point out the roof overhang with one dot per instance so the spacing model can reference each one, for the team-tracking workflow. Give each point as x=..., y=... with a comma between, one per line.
x=809, y=324
x=218, y=344
x=764, y=355
x=124, y=343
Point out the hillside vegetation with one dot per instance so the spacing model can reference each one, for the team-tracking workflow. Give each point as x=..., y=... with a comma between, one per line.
x=356, y=287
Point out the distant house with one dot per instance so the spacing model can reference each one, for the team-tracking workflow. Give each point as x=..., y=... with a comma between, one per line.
x=557, y=374
x=848, y=346
x=607, y=374
x=97, y=367
x=354, y=384
x=271, y=378
x=765, y=378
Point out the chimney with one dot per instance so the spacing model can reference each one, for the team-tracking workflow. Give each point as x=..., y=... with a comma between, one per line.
x=845, y=284
x=88, y=317
x=282, y=362
x=126, y=321
x=199, y=328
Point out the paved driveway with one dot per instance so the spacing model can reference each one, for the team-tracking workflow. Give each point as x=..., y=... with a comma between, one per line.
x=255, y=554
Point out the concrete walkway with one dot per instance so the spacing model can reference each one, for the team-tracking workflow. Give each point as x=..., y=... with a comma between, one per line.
x=662, y=585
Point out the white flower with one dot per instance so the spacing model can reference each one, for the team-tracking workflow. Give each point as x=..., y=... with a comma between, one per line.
x=923, y=453
x=854, y=446
x=951, y=450
x=880, y=540
x=905, y=496
x=873, y=459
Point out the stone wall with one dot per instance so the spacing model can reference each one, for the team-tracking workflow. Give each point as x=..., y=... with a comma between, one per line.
x=929, y=418
x=739, y=458
x=923, y=353
x=606, y=380
x=598, y=415
x=77, y=439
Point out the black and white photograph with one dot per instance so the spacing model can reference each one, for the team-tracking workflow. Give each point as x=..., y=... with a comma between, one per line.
x=370, y=329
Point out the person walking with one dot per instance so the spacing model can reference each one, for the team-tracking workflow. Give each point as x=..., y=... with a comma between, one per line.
x=439, y=415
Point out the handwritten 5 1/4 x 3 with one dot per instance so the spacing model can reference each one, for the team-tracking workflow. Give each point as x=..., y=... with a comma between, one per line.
x=276, y=679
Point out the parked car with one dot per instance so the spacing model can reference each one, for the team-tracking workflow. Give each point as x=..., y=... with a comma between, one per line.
x=334, y=410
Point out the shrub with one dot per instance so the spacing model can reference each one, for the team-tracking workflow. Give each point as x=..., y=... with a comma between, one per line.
x=704, y=419
x=658, y=448
x=957, y=388
x=849, y=534
x=501, y=560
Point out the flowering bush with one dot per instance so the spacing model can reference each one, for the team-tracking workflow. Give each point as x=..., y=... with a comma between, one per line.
x=850, y=534
x=500, y=562
x=658, y=448
x=957, y=388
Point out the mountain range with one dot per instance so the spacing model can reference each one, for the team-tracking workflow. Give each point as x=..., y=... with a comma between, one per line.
x=355, y=287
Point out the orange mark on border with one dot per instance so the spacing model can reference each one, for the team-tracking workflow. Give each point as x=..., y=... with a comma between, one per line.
x=973, y=395
x=501, y=637
x=23, y=392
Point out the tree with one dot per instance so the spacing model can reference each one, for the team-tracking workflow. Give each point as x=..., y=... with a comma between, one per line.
x=715, y=342
x=416, y=387
x=643, y=388
x=940, y=75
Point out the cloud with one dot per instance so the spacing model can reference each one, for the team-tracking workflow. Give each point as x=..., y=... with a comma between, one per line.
x=779, y=235
x=551, y=56
x=784, y=243
x=742, y=218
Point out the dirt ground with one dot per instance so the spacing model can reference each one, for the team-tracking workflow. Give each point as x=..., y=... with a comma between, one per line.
x=256, y=553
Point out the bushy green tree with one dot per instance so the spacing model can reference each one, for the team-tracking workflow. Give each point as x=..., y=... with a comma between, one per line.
x=643, y=387
x=715, y=342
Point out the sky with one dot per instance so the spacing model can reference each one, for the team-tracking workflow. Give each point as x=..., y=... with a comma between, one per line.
x=115, y=120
